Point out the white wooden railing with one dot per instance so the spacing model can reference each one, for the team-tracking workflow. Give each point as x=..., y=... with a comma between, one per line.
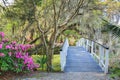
x=98, y=51
x=63, y=54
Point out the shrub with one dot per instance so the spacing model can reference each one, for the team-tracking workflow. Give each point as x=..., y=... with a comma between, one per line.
x=115, y=69
x=14, y=57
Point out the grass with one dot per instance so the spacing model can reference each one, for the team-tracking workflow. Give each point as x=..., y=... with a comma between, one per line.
x=55, y=62
x=114, y=66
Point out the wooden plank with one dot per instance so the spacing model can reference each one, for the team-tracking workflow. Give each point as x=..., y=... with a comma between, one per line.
x=79, y=60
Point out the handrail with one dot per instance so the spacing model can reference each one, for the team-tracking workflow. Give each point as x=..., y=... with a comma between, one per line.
x=63, y=54
x=97, y=50
x=98, y=43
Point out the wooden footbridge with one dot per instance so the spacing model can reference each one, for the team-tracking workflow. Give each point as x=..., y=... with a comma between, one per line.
x=86, y=56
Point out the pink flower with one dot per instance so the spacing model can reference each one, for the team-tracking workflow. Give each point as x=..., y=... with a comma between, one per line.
x=22, y=47
x=1, y=46
x=16, y=48
x=18, y=55
x=28, y=46
x=14, y=42
x=37, y=65
x=10, y=53
x=8, y=47
x=5, y=40
x=28, y=61
x=2, y=34
x=2, y=54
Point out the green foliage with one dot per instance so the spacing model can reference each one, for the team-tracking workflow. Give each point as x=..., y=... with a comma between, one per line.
x=41, y=59
x=22, y=10
x=9, y=63
x=6, y=63
x=38, y=2
x=114, y=67
x=109, y=27
x=115, y=72
x=57, y=49
x=69, y=32
x=8, y=26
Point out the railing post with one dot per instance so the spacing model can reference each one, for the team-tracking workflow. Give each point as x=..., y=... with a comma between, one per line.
x=67, y=45
x=95, y=48
x=87, y=45
x=83, y=42
x=79, y=42
x=99, y=55
x=101, y=51
x=106, y=60
x=92, y=47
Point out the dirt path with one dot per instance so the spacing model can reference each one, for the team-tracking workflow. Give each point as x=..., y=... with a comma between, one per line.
x=65, y=76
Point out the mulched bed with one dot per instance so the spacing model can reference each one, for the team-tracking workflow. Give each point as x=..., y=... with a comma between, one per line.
x=9, y=75
x=12, y=75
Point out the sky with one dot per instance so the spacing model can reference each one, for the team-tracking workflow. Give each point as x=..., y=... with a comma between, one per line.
x=8, y=1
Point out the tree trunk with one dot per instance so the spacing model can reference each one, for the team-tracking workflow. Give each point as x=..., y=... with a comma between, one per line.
x=51, y=51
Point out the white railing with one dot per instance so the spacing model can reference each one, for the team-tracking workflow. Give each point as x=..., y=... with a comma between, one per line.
x=63, y=54
x=98, y=51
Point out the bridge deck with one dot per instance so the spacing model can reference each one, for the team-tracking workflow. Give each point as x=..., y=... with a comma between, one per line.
x=79, y=60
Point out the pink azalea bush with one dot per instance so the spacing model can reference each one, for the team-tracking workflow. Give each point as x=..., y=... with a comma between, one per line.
x=14, y=56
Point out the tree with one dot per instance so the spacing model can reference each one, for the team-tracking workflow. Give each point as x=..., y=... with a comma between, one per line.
x=59, y=14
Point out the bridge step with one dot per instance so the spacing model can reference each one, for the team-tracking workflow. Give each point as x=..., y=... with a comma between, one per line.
x=79, y=60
